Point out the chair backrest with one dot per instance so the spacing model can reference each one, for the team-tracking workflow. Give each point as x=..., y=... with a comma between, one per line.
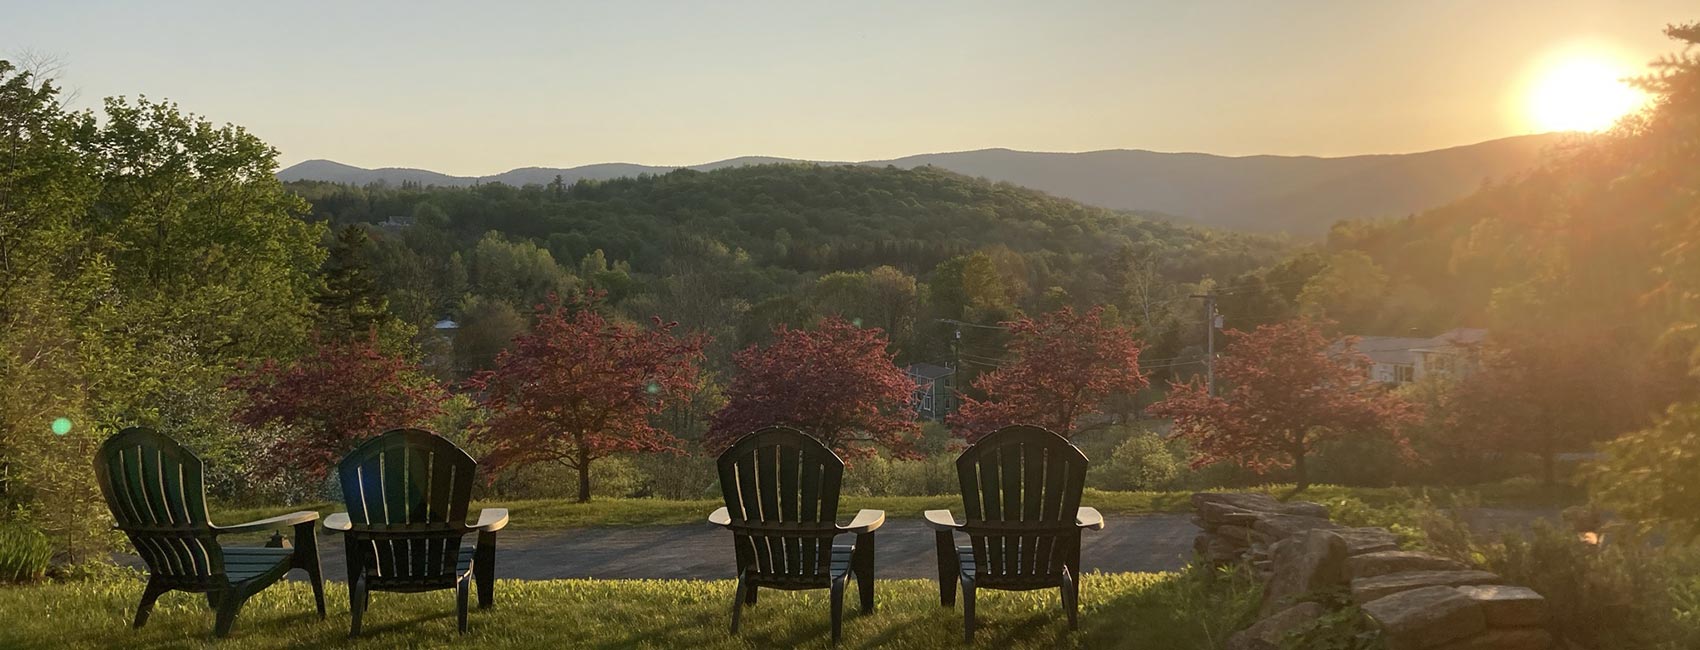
x=781, y=489
x=407, y=492
x=157, y=495
x=1020, y=492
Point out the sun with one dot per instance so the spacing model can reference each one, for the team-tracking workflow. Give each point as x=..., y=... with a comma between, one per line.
x=1580, y=91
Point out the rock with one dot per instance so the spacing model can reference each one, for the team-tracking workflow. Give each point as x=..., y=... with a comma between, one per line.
x=1314, y=562
x=1368, y=540
x=1266, y=634
x=1305, y=509
x=1221, y=551
x=1221, y=513
x=1508, y=606
x=1380, y=563
x=1365, y=590
x=1532, y=638
x=1282, y=526
x=1241, y=534
x=1426, y=617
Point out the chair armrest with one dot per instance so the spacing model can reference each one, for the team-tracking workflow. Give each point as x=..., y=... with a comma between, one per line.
x=942, y=521
x=339, y=522
x=866, y=521
x=274, y=523
x=491, y=520
x=1089, y=518
x=720, y=517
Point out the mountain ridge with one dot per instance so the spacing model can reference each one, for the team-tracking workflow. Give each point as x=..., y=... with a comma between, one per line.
x=1300, y=194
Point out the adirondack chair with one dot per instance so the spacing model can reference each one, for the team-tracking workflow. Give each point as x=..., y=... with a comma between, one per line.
x=407, y=493
x=781, y=489
x=1021, y=496
x=156, y=491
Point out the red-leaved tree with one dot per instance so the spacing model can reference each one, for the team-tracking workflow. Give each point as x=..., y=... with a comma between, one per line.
x=1064, y=366
x=1284, y=388
x=340, y=394
x=835, y=382
x=579, y=387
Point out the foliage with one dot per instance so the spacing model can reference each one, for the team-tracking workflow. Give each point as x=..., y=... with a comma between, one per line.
x=1286, y=388
x=835, y=382
x=1065, y=365
x=1652, y=477
x=1343, y=627
x=579, y=387
x=332, y=399
x=144, y=253
x=1144, y=461
x=24, y=553
x=1625, y=593
x=1547, y=394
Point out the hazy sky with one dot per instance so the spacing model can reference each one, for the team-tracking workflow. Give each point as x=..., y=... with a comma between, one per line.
x=479, y=88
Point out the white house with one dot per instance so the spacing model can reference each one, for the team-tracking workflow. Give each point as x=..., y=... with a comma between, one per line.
x=1403, y=359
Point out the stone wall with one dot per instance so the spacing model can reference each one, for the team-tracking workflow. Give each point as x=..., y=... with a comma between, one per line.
x=1420, y=601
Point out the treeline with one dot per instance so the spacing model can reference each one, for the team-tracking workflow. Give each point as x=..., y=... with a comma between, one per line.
x=736, y=252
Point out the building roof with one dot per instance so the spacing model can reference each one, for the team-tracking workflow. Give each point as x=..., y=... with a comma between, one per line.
x=929, y=371
x=1403, y=350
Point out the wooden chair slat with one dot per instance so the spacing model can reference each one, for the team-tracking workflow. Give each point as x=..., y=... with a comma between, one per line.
x=781, y=489
x=408, y=492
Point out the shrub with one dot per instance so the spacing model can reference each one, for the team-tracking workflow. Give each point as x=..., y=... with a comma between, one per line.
x=24, y=553
x=1144, y=461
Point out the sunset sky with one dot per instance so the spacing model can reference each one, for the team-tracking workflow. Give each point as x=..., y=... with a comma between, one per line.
x=479, y=89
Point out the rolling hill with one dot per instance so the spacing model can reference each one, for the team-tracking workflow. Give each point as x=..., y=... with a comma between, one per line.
x=1302, y=195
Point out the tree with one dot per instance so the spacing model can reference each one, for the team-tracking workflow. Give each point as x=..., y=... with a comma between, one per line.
x=330, y=400
x=351, y=303
x=1553, y=392
x=579, y=387
x=836, y=382
x=1065, y=365
x=1286, y=389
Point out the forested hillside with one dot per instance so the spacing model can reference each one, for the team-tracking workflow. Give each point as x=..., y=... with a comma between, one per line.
x=736, y=251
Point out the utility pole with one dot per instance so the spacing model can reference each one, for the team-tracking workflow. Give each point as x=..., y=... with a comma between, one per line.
x=1212, y=320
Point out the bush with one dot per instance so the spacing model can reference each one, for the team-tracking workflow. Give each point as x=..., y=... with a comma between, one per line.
x=24, y=553
x=1144, y=461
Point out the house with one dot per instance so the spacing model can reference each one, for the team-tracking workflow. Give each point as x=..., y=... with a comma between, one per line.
x=935, y=392
x=1403, y=359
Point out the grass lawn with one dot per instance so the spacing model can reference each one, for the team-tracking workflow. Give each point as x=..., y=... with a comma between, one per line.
x=1127, y=610
x=551, y=514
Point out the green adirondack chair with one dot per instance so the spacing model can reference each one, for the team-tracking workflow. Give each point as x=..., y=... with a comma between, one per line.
x=156, y=491
x=781, y=489
x=1021, y=496
x=407, y=493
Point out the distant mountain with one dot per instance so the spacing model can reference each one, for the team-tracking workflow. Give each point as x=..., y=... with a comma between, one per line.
x=1297, y=194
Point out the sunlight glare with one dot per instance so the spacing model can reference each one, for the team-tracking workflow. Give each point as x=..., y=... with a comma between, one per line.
x=1581, y=92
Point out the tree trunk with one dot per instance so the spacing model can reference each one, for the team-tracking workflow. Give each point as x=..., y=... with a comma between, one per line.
x=1301, y=475
x=583, y=476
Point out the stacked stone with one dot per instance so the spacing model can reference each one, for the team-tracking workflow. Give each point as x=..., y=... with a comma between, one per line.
x=1420, y=601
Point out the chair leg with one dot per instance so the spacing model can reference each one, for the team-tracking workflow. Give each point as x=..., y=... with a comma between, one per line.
x=1071, y=599
x=150, y=595
x=749, y=594
x=862, y=563
x=357, y=601
x=837, y=609
x=967, y=611
x=461, y=597
x=212, y=599
x=484, y=569
x=948, y=568
x=738, y=602
x=228, y=606
x=307, y=559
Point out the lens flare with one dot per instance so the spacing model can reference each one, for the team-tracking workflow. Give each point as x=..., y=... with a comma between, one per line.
x=61, y=426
